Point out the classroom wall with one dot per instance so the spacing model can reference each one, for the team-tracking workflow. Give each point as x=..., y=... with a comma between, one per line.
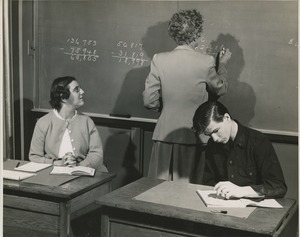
x=288, y=157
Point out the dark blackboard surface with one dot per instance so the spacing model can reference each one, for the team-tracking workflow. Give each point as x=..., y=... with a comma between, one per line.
x=108, y=46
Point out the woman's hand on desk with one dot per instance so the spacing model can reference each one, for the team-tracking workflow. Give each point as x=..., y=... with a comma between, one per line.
x=69, y=159
x=228, y=190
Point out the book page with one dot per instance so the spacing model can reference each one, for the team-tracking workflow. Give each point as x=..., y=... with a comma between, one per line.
x=211, y=199
x=270, y=203
x=82, y=170
x=61, y=170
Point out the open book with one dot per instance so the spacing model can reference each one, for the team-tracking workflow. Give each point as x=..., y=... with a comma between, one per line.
x=32, y=167
x=76, y=170
x=211, y=199
x=16, y=175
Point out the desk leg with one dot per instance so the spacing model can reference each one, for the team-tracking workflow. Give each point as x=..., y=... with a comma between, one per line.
x=65, y=219
x=105, y=226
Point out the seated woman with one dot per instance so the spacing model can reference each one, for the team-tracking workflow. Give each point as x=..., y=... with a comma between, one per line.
x=64, y=136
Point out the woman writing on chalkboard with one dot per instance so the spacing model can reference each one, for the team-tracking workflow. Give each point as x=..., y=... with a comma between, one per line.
x=177, y=84
x=64, y=136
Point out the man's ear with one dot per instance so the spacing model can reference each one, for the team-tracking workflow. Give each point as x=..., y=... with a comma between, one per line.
x=226, y=117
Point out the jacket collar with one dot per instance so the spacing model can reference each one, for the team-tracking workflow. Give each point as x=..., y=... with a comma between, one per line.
x=185, y=47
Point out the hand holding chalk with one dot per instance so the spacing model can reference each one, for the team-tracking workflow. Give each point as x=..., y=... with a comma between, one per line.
x=222, y=52
x=224, y=55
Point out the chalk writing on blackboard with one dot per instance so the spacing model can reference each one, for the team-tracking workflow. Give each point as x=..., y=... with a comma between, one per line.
x=130, y=54
x=81, y=50
x=206, y=48
x=293, y=42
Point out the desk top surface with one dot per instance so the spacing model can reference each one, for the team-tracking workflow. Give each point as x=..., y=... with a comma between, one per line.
x=69, y=190
x=262, y=220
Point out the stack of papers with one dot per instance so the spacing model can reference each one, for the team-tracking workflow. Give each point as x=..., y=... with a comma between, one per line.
x=211, y=199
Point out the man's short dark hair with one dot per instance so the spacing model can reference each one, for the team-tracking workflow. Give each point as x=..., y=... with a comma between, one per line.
x=210, y=110
x=59, y=91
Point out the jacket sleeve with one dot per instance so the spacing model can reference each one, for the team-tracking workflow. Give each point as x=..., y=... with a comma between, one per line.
x=273, y=183
x=217, y=81
x=94, y=157
x=36, y=152
x=151, y=94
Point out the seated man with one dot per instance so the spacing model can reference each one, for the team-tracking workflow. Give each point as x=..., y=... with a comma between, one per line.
x=240, y=162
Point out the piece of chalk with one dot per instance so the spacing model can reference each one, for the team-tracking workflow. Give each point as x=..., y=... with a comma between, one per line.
x=120, y=115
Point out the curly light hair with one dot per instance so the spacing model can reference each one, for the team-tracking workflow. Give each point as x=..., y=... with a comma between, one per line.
x=185, y=26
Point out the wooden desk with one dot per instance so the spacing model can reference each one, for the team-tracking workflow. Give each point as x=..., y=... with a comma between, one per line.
x=123, y=216
x=50, y=209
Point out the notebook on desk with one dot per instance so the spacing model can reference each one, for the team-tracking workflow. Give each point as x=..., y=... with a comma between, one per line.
x=32, y=167
x=41, y=177
x=211, y=199
x=16, y=175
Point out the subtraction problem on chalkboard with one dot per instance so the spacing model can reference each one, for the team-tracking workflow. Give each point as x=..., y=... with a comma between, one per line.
x=120, y=115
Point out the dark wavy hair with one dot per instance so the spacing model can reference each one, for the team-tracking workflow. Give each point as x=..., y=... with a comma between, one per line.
x=60, y=90
x=207, y=112
x=185, y=26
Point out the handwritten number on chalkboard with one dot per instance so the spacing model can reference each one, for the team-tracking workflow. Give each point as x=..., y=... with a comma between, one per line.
x=126, y=54
x=291, y=42
x=80, y=53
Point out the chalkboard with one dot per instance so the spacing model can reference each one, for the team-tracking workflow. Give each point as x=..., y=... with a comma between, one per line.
x=108, y=46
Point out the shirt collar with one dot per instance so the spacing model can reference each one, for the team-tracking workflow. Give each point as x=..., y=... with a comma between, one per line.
x=240, y=138
x=57, y=115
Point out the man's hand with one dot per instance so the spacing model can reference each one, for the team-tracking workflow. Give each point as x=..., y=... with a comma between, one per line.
x=228, y=190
